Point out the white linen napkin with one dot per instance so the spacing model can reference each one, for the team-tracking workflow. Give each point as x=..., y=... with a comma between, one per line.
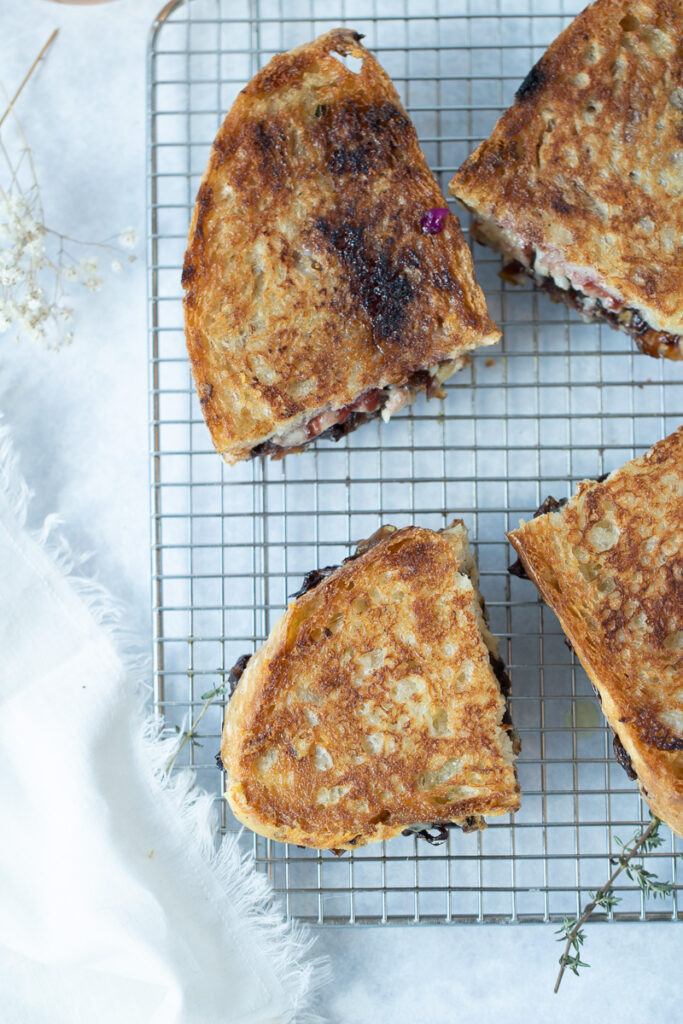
x=114, y=904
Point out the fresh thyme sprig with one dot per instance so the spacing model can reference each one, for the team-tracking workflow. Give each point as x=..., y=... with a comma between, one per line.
x=571, y=932
x=189, y=735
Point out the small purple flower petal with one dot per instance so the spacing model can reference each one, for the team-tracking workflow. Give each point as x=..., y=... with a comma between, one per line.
x=431, y=222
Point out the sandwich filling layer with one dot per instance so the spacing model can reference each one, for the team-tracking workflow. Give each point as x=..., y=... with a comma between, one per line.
x=577, y=288
x=333, y=424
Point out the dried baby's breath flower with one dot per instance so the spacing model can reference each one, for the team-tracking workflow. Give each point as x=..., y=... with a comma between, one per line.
x=36, y=262
x=128, y=239
x=89, y=267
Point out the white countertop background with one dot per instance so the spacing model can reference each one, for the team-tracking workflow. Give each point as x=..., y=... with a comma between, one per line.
x=79, y=422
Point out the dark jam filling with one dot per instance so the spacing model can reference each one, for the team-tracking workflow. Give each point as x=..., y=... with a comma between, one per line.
x=420, y=380
x=437, y=833
x=623, y=757
x=333, y=433
x=649, y=340
x=549, y=505
x=234, y=676
x=316, y=576
x=517, y=569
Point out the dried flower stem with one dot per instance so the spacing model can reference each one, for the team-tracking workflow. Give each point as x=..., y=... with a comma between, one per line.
x=28, y=74
x=573, y=933
x=30, y=251
x=189, y=733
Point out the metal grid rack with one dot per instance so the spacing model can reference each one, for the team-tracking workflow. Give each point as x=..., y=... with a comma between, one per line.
x=558, y=400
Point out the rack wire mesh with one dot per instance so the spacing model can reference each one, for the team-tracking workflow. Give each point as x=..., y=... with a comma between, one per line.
x=557, y=401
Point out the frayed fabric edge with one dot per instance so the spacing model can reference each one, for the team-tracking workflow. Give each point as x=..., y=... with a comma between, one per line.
x=286, y=943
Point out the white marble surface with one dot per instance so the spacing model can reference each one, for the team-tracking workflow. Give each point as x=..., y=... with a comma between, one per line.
x=79, y=420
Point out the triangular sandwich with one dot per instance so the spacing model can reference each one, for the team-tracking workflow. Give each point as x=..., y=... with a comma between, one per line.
x=580, y=185
x=609, y=562
x=377, y=704
x=326, y=281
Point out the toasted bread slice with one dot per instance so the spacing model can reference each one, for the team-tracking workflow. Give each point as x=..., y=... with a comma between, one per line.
x=610, y=565
x=314, y=298
x=581, y=182
x=375, y=703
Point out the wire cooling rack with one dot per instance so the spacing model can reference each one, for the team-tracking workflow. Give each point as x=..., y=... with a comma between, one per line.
x=557, y=401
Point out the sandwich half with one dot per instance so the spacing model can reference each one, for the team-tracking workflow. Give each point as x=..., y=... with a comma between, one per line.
x=609, y=563
x=377, y=704
x=580, y=185
x=325, y=280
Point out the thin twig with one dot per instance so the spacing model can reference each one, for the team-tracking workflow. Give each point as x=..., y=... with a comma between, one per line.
x=28, y=74
x=191, y=731
x=590, y=907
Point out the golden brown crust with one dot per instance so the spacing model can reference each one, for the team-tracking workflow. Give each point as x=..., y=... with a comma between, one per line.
x=308, y=280
x=373, y=705
x=587, y=165
x=610, y=565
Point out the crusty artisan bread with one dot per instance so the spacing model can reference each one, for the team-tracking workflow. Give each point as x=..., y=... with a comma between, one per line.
x=581, y=182
x=610, y=565
x=314, y=299
x=375, y=704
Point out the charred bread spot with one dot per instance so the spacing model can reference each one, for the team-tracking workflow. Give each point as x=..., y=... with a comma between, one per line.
x=189, y=269
x=236, y=672
x=376, y=278
x=444, y=281
x=360, y=140
x=622, y=757
x=204, y=204
x=560, y=204
x=270, y=143
x=278, y=399
x=285, y=70
x=205, y=392
x=655, y=733
x=534, y=81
